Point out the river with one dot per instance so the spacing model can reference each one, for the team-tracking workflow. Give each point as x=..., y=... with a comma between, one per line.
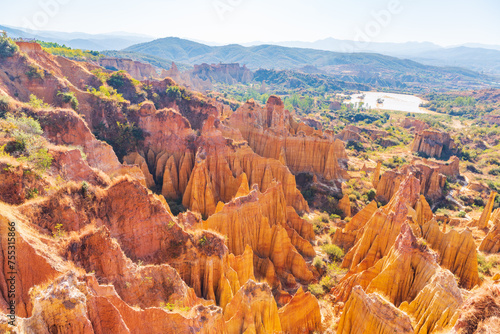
x=390, y=101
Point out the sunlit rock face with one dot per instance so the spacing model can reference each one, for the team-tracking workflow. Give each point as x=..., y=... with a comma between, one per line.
x=272, y=132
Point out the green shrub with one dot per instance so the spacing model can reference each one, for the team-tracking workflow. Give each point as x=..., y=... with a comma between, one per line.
x=473, y=169
x=69, y=97
x=106, y=92
x=493, y=161
x=123, y=137
x=484, y=266
x=37, y=103
x=35, y=72
x=117, y=80
x=318, y=262
x=328, y=282
x=394, y=162
x=333, y=251
x=495, y=186
x=41, y=159
x=334, y=270
x=174, y=92
x=64, y=51
x=4, y=106
x=309, y=194
x=25, y=124
x=7, y=47
x=318, y=226
x=26, y=133
x=101, y=75
x=31, y=193
x=85, y=188
x=324, y=217
x=468, y=155
x=316, y=289
x=478, y=201
x=174, y=307
x=176, y=206
x=494, y=171
x=461, y=214
x=355, y=145
x=58, y=231
x=202, y=241
x=371, y=194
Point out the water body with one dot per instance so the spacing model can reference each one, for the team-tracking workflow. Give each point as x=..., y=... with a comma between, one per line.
x=389, y=101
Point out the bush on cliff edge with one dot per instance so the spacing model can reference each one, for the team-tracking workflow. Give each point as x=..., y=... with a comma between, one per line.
x=7, y=47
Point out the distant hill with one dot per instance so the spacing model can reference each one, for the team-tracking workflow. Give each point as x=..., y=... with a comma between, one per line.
x=145, y=58
x=78, y=40
x=339, y=45
x=473, y=56
x=477, y=59
x=296, y=80
x=366, y=68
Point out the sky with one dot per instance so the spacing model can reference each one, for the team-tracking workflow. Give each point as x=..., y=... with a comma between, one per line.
x=444, y=22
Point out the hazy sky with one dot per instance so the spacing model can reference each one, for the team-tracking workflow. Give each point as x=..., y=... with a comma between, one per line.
x=445, y=22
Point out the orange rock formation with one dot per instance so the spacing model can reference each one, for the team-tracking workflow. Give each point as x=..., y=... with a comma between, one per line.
x=346, y=237
x=137, y=70
x=370, y=313
x=433, y=143
x=432, y=176
x=293, y=318
x=260, y=220
x=457, y=252
x=345, y=205
x=252, y=310
x=479, y=314
x=491, y=243
x=376, y=175
x=216, y=175
x=415, y=124
x=275, y=134
x=411, y=279
x=485, y=216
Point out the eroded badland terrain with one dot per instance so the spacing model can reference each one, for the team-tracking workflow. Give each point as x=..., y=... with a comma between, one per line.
x=144, y=207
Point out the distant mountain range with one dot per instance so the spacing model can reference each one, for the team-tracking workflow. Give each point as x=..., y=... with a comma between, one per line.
x=364, y=68
x=473, y=56
x=78, y=40
x=476, y=59
x=386, y=64
x=339, y=45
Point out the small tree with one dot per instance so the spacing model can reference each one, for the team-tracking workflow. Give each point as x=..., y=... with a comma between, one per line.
x=28, y=141
x=7, y=47
x=69, y=97
x=174, y=92
x=333, y=251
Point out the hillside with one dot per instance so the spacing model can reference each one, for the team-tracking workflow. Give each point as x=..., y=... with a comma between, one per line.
x=163, y=63
x=476, y=59
x=142, y=207
x=76, y=40
x=365, y=68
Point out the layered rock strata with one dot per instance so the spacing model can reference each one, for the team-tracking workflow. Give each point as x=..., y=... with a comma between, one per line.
x=273, y=133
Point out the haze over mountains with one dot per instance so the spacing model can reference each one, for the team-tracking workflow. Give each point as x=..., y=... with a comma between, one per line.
x=474, y=56
x=477, y=57
x=79, y=40
x=366, y=68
